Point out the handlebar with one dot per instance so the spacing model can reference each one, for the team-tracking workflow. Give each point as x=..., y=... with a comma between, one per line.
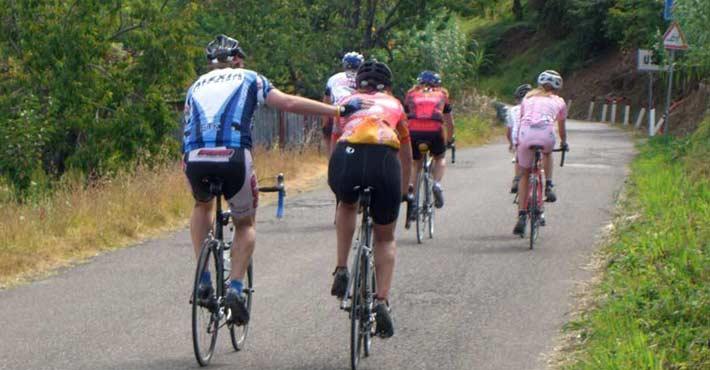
x=279, y=188
x=452, y=145
x=564, y=152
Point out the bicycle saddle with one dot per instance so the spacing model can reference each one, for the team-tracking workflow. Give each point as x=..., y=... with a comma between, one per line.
x=535, y=147
x=423, y=147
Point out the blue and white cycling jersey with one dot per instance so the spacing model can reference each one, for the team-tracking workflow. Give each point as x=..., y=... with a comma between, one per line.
x=219, y=108
x=340, y=86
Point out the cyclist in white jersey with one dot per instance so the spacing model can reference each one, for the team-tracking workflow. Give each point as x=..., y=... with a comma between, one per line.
x=338, y=87
x=512, y=126
x=217, y=142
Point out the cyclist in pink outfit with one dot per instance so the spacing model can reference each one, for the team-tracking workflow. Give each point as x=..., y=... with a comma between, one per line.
x=540, y=110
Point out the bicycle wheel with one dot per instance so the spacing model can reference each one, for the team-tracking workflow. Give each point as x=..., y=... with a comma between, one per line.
x=368, y=301
x=205, y=313
x=421, y=203
x=238, y=334
x=430, y=208
x=355, y=313
x=533, y=212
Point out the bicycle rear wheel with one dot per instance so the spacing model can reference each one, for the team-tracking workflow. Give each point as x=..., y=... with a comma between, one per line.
x=421, y=201
x=355, y=313
x=206, y=312
x=534, y=211
x=238, y=334
x=430, y=208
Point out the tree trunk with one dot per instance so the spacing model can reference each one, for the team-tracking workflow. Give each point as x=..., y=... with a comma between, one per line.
x=518, y=10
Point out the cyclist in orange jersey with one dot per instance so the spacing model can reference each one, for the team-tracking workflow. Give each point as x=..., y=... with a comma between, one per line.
x=373, y=150
x=430, y=121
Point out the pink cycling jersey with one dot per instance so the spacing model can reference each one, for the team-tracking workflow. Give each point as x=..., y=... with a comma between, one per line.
x=538, y=115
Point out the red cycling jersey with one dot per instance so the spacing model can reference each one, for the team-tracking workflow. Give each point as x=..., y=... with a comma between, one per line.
x=425, y=107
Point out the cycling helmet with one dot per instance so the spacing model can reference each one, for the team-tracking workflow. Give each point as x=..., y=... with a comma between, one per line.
x=429, y=78
x=223, y=49
x=521, y=91
x=374, y=73
x=551, y=78
x=352, y=60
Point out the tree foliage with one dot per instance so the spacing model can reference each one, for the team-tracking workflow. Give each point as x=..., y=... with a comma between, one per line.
x=86, y=86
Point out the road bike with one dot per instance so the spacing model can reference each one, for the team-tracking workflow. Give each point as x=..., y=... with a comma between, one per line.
x=360, y=299
x=424, y=196
x=536, y=203
x=211, y=314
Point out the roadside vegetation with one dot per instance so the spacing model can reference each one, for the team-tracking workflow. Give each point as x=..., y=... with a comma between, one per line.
x=77, y=222
x=652, y=308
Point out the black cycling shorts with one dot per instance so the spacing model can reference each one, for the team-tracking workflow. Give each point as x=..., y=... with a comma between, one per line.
x=435, y=140
x=234, y=167
x=366, y=165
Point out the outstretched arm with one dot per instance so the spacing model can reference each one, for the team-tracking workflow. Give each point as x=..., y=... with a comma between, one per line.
x=405, y=154
x=449, y=122
x=297, y=104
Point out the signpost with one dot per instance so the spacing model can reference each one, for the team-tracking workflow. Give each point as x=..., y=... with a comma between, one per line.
x=668, y=10
x=673, y=40
x=644, y=63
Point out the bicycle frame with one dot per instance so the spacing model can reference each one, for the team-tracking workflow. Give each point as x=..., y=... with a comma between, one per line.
x=359, y=300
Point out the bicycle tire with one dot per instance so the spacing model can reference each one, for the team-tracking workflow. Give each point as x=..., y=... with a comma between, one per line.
x=355, y=313
x=238, y=334
x=204, y=355
x=533, y=211
x=431, y=210
x=368, y=300
x=420, y=200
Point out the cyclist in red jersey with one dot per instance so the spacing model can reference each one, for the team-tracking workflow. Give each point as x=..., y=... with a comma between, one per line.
x=430, y=121
x=372, y=151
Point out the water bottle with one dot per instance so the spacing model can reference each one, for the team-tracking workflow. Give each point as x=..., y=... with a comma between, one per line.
x=227, y=258
x=282, y=195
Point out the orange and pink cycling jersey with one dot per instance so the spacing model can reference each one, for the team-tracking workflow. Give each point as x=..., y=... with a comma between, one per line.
x=538, y=115
x=426, y=108
x=378, y=124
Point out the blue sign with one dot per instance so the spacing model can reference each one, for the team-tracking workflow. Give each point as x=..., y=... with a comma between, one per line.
x=668, y=10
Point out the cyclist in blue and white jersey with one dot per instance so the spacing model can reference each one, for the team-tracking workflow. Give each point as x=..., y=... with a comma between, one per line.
x=338, y=87
x=217, y=142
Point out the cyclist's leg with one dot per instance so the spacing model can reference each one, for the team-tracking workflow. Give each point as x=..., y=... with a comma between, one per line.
x=200, y=223
x=242, y=246
x=240, y=189
x=385, y=209
x=345, y=220
x=416, y=157
x=438, y=150
x=345, y=171
x=202, y=215
x=385, y=254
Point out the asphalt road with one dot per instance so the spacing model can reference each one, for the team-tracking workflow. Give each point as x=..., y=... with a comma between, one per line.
x=474, y=297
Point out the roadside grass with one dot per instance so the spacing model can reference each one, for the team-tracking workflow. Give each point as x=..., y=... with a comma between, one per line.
x=652, y=308
x=475, y=120
x=77, y=222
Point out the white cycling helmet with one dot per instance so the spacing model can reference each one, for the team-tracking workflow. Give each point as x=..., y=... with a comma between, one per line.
x=551, y=78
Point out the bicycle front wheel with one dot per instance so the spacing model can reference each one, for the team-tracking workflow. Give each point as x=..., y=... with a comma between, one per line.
x=238, y=334
x=206, y=310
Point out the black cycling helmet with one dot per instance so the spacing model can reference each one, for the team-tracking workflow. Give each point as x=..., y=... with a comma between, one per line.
x=521, y=91
x=375, y=74
x=223, y=49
